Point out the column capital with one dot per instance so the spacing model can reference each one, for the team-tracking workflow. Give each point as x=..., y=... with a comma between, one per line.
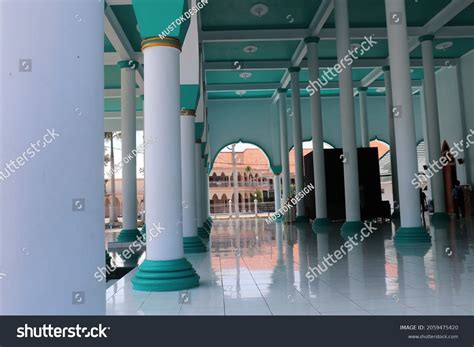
x=282, y=90
x=128, y=64
x=188, y=113
x=294, y=69
x=386, y=68
x=426, y=38
x=362, y=89
x=310, y=39
x=165, y=41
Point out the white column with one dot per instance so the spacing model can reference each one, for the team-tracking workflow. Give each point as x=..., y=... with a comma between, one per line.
x=52, y=174
x=297, y=137
x=277, y=188
x=348, y=127
x=432, y=126
x=236, y=183
x=364, y=122
x=165, y=267
x=404, y=121
x=205, y=195
x=391, y=132
x=192, y=243
x=317, y=132
x=206, y=191
x=199, y=191
x=284, y=143
x=129, y=231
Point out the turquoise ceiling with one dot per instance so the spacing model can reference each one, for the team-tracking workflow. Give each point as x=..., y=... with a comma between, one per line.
x=459, y=47
x=371, y=13
x=235, y=16
x=113, y=104
x=234, y=51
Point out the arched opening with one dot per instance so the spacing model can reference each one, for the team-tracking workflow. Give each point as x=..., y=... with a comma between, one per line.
x=214, y=204
x=254, y=176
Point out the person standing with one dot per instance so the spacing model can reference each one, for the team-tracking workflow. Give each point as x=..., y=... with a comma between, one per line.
x=458, y=197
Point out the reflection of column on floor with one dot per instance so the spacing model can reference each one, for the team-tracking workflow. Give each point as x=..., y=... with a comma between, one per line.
x=443, y=261
x=355, y=266
x=290, y=241
x=303, y=258
x=279, y=243
x=414, y=273
x=323, y=251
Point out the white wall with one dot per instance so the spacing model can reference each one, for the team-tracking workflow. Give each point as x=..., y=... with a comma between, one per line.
x=467, y=79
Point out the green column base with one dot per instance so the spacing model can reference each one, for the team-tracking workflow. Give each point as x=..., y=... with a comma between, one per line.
x=412, y=241
x=302, y=219
x=439, y=219
x=207, y=227
x=143, y=229
x=193, y=244
x=128, y=235
x=351, y=228
x=280, y=219
x=210, y=220
x=202, y=233
x=321, y=225
x=165, y=276
x=412, y=235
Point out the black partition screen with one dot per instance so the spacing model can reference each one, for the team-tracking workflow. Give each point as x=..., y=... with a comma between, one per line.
x=370, y=190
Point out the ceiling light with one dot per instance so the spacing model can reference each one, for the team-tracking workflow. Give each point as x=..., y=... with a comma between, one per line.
x=245, y=75
x=259, y=10
x=444, y=45
x=250, y=49
x=240, y=92
x=355, y=46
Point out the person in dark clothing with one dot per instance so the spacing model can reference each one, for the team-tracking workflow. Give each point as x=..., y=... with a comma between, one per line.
x=458, y=197
x=423, y=205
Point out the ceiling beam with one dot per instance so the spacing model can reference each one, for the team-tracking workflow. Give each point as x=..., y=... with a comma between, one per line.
x=119, y=2
x=319, y=19
x=118, y=115
x=120, y=42
x=112, y=58
x=253, y=35
x=435, y=25
x=273, y=86
x=323, y=63
x=325, y=34
x=116, y=93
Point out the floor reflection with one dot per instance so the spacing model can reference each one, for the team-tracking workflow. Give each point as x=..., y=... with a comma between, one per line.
x=254, y=268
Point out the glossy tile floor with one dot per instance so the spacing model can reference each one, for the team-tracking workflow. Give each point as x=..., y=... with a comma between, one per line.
x=259, y=269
